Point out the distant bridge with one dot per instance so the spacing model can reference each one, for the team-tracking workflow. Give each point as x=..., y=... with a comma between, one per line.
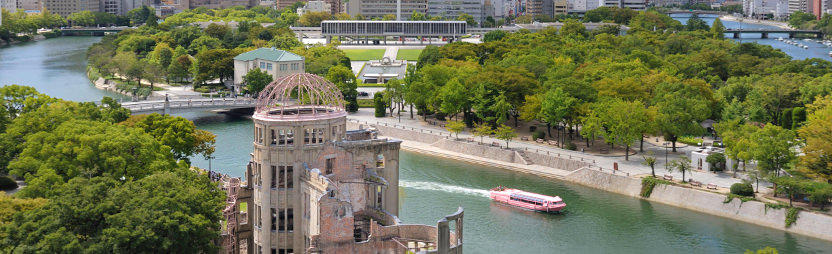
x=764, y=32
x=100, y=31
x=678, y=11
x=188, y=105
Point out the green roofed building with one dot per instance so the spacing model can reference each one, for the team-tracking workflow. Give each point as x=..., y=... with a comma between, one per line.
x=276, y=62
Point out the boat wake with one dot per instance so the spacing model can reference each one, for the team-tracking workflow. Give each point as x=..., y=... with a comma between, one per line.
x=444, y=187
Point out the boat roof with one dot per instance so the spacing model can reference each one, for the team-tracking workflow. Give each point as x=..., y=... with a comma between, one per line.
x=533, y=195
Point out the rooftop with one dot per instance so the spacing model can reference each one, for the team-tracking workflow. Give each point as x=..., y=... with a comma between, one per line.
x=270, y=54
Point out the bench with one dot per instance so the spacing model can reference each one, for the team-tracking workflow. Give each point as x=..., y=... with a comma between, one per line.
x=668, y=177
x=539, y=141
x=524, y=138
x=495, y=143
x=470, y=139
x=711, y=186
x=695, y=183
x=552, y=142
x=605, y=150
x=442, y=125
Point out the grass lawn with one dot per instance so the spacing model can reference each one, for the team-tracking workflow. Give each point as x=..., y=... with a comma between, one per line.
x=408, y=54
x=364, y=54
x=366, y=103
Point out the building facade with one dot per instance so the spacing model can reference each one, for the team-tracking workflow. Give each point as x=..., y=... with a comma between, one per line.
x=315, y=187
x=761, y=9
x=638, y=5
x=277, y=63
x=378, y=8
x=315, y=6
x=451, y=9
x=68, y=7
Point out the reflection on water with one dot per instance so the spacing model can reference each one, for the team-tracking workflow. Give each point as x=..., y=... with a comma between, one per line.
x=55, y=67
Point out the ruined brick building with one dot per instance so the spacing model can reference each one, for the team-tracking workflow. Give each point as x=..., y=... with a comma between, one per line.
x=312, y=186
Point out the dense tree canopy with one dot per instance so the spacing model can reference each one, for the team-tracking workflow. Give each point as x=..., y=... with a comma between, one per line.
x=109, y=186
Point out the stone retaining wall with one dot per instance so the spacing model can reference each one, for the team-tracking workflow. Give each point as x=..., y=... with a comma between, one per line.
x=553, y=161
x=473, y=148
x=808, y=223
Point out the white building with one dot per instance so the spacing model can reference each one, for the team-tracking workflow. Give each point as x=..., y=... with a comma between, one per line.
x=761, y=8
x=314, y=6
x=638, y=5
x=276, y=62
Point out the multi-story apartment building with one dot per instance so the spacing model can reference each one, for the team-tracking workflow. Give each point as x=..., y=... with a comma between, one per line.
x=638, y=5
x=314, y=6
x=762, y=8
x=9, y=5
x=378, y=8
x=221, y=4
x=800, y=5
x=30, y=5
x=451, y=9
x=67, y=7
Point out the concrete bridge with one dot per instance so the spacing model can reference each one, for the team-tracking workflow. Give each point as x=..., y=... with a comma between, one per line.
x=679, y=11
x=188, y=105
x=764, y=32
x=93, y=31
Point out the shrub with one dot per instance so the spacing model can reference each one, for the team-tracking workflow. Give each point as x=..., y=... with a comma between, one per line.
x=538, y=134
x=532, y=128
x=202, y=89
x=378, y=101
x=742, y=189
x=7, y=183
x=791, y=216
x=571, y=146
x=689, y=140
x=440, y=116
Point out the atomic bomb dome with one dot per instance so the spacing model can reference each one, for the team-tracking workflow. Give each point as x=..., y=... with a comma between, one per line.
x=300, y=96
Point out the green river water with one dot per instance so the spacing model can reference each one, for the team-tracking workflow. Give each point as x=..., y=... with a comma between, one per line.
x=593, y=222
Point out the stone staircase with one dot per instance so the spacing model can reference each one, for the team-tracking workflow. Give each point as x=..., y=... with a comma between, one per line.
x=523, y=158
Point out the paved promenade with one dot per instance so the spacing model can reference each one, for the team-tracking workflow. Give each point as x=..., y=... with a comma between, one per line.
x=634, y=166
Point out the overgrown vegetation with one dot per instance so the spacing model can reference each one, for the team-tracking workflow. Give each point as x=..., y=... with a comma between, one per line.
x=648, y=183
x=791, y=216
x=732, y=196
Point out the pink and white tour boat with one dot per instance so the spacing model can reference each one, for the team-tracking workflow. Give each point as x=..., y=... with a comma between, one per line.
x=528, y=200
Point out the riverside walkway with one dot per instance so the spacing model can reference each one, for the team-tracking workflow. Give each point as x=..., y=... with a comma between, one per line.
x=188, y=105
x=632, y=167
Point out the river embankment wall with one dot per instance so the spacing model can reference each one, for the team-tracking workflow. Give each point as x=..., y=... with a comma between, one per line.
x=579, y=172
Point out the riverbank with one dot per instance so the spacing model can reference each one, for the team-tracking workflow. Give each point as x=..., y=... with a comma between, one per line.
x=778, y=24
x=754, y=212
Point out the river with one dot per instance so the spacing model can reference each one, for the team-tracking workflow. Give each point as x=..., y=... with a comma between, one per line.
x=593, y=222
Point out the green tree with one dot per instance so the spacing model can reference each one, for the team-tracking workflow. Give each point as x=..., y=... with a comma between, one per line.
x=505, y=133
x=681, y=165
x=716, y=160
x=389, y=17
x=454, y=97
x=82, y=18
x=788, y=185
x=455, y=127
x=495, y=35
x=681, y=108
x=346, y=81
x=314, y=18
x=415, y=16
x=556, y=105
x=625, y=122
x=772, y=148
x=799, y=18
x=468, y=19
x=650, y=161
x=482, y=130
x=256, y=80
x=573, y=28
x=177, y=133
x=696, y=24
x=429, y=56
x=816, y=161
x=717, y=29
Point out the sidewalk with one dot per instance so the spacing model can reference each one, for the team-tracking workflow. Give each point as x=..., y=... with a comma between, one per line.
x=634, y=166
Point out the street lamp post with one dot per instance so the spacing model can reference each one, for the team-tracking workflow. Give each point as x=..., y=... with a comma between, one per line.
x=209, y=161
x=665, y=155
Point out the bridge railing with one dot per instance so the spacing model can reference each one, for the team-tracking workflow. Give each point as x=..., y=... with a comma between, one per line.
x=189, y=103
